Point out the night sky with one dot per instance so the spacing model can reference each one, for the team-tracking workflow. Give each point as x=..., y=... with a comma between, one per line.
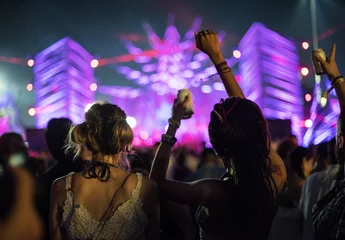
x=28, y=26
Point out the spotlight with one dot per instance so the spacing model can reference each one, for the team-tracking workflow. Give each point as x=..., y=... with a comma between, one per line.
x=323, y=101
x=236, y=54
x=31, y=62
x=131, y=121
x=32, y=111
x=305, y=45
x=30, y=87
x=304, y=71
x=144, y=135
x=308, y=123
x=93, y=87
x=94, y=63
x=206, y=89
x=307, y=97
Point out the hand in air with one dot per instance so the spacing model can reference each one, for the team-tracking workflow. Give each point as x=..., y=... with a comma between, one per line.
x=207, y=41
x=179, y=109
x=329, y=65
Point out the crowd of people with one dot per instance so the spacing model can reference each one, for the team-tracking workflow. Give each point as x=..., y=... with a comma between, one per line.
x=243, y=188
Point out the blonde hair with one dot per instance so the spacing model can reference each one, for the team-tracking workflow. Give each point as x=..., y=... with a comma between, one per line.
x=105, y=131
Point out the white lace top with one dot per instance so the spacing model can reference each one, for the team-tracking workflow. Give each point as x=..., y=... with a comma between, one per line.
x=127, y=223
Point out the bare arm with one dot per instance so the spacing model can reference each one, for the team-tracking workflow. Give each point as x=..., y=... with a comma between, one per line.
x=154, y=227
x=228, y=79
x=55, y=229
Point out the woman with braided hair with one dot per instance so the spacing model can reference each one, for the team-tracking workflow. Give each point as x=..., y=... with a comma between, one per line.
x=105, y=201
x=242, y=204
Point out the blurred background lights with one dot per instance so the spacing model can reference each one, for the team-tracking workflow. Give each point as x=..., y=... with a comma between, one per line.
x=32, y=111
x=307, y=97
x=30, y=87
x=93, y=87
x=236, y=54
x=305, y=45
x=144, y=135
x=308, y=123
x=206, y=89
x=131, y=121
x=94, y=63
x=323, y=101
x=31, y=62
x=304, y=71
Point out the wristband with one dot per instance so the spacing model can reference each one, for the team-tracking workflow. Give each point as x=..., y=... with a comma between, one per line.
x=335, y=81
x=174, y=123
x=170, y=140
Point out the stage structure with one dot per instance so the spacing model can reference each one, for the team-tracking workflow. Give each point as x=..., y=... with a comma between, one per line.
x=9, y=115
x=63, y=76
x=269, y=67
x=174, y=63
x=323, y=115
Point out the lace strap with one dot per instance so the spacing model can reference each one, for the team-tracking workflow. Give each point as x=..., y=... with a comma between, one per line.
x=68, y=181
x=136, y=191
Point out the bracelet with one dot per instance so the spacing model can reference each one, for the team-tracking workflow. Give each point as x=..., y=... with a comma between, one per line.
x=223, y=67
x=174, y=123
x=170, y=140
x=335, y=80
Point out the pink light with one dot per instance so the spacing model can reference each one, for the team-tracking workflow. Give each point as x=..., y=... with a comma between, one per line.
x=93, y=87
x=94, y=63
x=236, y=54
x=30, y=87
x=143, y=80
x=307, y=97
x=238, y=78
x=308, y=123
x=313, y=115
x=136, y=141
x=32, y=112
x=304, y=71
x=188, y=73
x=31, y=62
x=134, y=74
x=144, y=135
x=149, y=141
x=305, y=45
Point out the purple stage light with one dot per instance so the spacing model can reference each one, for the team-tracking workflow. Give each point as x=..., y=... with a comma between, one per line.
x=268, y=82
x=174, y=59
x=63, y=77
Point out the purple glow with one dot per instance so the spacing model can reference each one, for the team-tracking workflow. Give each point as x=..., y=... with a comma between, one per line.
x=218, y=86
x=70, y=74
x=273, y=85
x=173, y=60
x=206, y=89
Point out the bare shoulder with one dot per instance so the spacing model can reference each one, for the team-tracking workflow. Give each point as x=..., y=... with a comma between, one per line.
x=59, y=184
x=149, y=184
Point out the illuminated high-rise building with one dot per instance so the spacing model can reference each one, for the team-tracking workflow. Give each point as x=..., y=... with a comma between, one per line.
x=63, y=76
x=269, y=67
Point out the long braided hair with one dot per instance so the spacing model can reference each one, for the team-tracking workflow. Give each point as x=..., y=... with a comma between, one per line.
x=239, y=134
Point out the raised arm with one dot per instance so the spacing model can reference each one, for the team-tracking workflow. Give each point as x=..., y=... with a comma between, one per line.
x=208, y=42
x=197, y=193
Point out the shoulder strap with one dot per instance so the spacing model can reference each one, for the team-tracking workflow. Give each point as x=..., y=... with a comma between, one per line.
x=136, y=191
x=68, y=181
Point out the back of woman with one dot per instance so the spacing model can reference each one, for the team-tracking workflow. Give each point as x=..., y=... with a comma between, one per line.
x=105, y=201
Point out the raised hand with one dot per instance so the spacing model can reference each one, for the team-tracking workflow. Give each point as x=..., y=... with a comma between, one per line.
x=208, y=42
x=329, y=65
